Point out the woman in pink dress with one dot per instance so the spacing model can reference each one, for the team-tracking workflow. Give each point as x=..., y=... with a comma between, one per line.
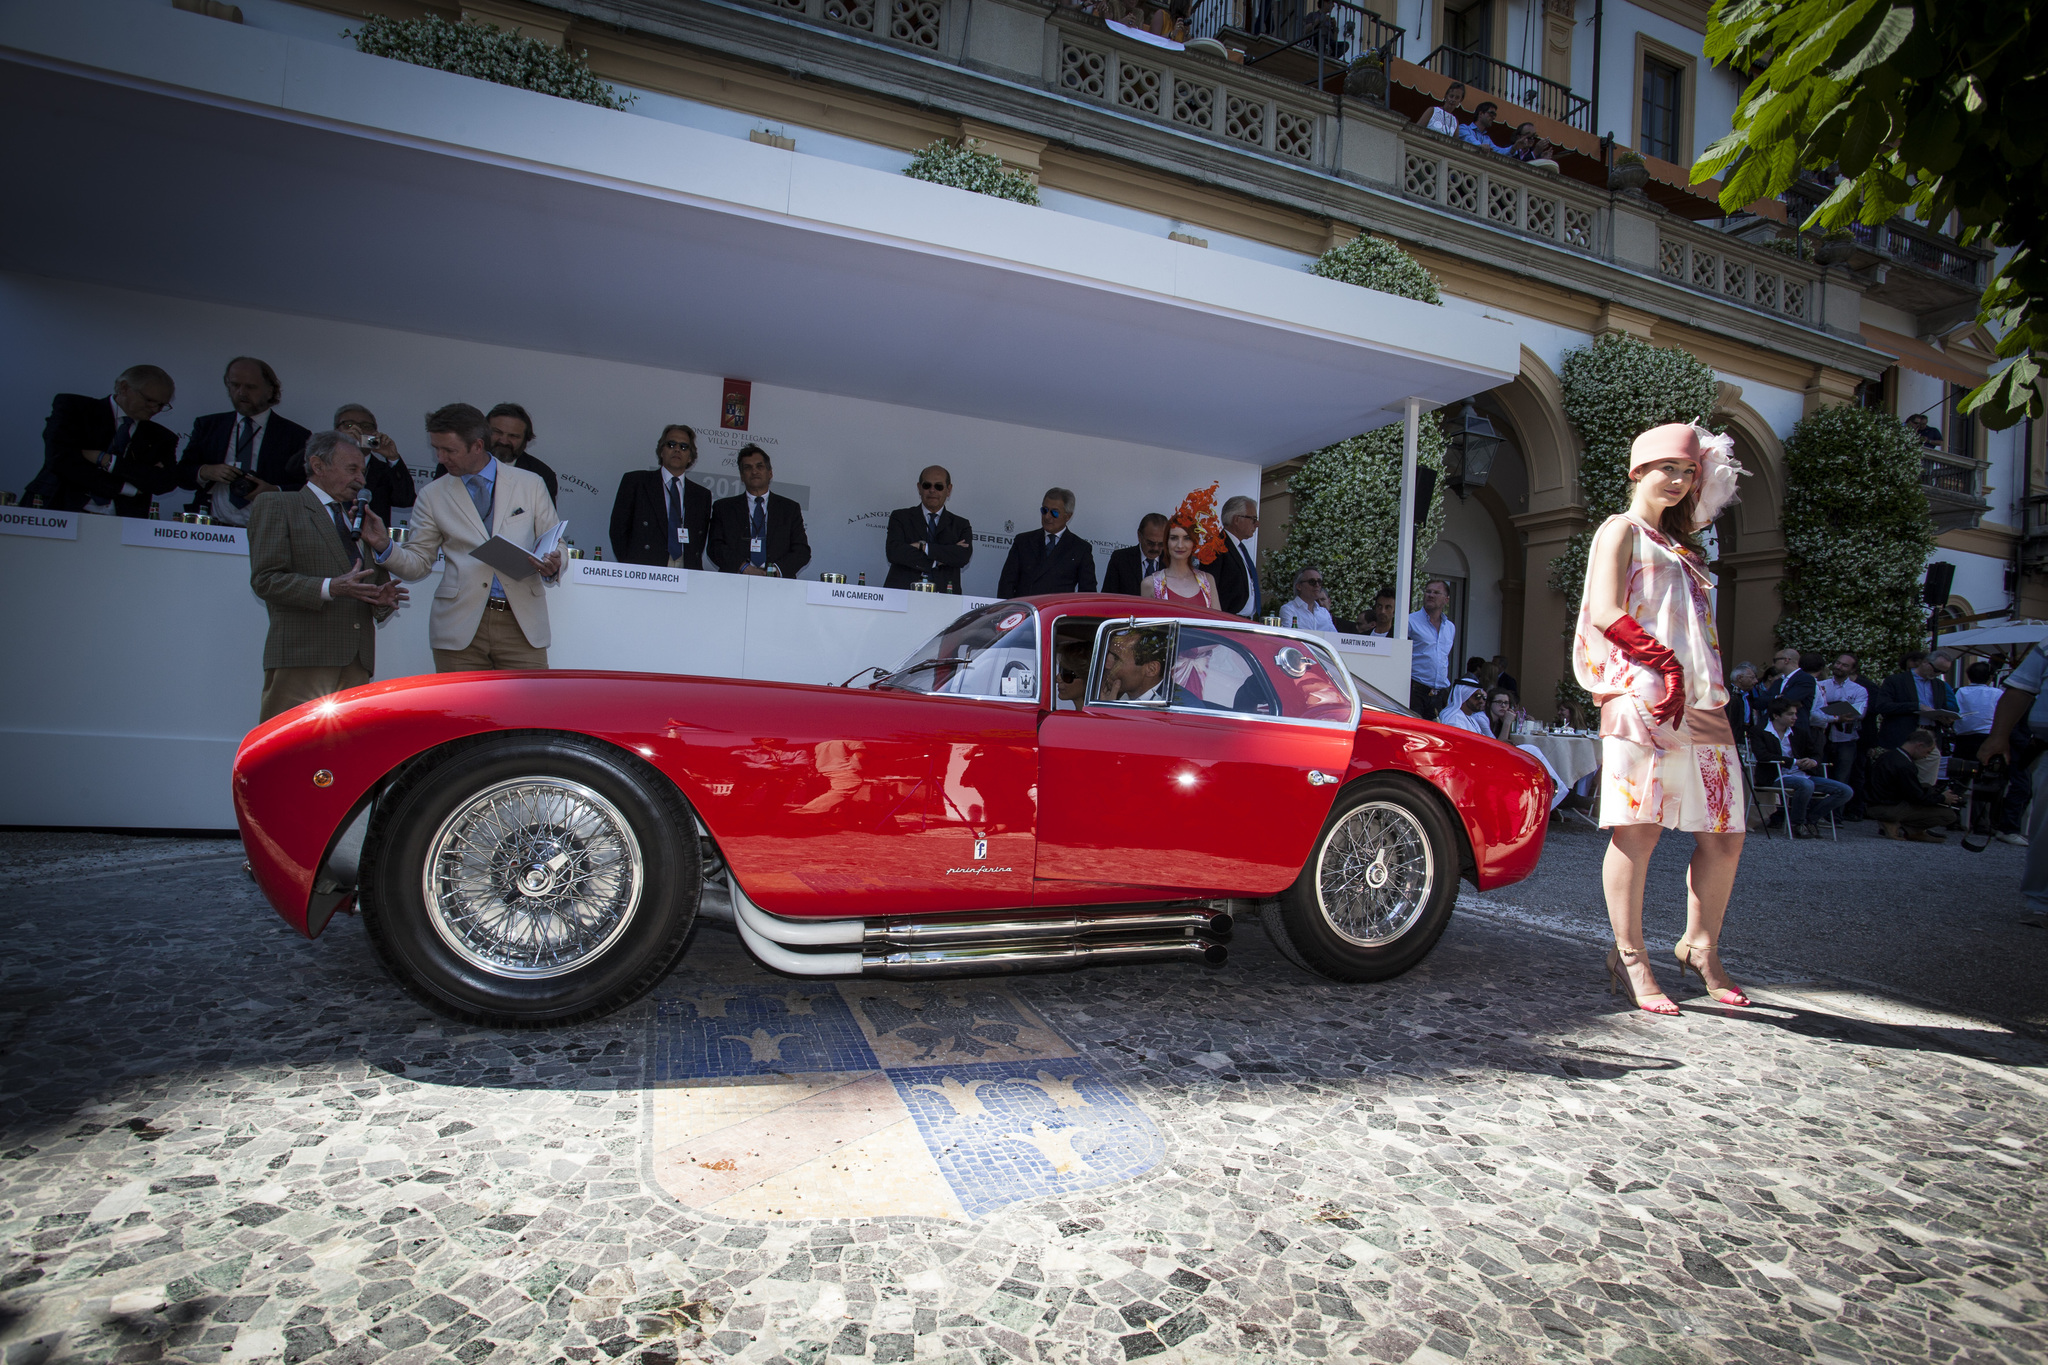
x=1180, y=581
x=1645, y=649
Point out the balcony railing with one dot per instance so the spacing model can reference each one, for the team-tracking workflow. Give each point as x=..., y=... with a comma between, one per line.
x=1738, y=271
x=1941, y=472
x=1481, y=72
x=916, y=22
x=1337, y=30
x=1899, y=240
x=1501, y=191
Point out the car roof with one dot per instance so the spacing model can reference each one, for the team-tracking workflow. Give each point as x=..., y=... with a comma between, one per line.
x=1121, y=604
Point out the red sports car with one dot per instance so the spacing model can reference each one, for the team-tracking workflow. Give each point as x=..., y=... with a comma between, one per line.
x=1049, y=782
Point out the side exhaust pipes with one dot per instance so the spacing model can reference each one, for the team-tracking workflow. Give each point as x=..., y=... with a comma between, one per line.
x=901, y=947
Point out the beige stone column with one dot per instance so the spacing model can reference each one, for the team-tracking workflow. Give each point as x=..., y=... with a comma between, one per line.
x=1748, y=600
x=1545, y=611
x=1829, y=389
x=1557, y=41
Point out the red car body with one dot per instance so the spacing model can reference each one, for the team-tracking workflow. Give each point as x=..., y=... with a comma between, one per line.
x=844, y=802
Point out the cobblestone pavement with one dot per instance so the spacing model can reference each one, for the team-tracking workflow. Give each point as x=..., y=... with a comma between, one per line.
x=221, y=1143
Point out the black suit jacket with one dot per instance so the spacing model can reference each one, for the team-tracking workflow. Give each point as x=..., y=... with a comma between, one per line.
x=390, y=484
x=1029, y=570
x=1896, y=705
x=1744, y=715
x=279, y=456
x=1235, y=576
x=788, y=548
x=944, y=559
x=1125, y=570
x=67, y=480
x=1770, y=753
x=1800, y=687
x=531, y=465
x=640, y=519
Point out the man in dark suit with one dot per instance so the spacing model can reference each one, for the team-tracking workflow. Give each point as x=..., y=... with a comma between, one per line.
x=105, y=454
x=927, y=541
x=384, y=472
x=1798, y=678
x=1744, y=713
x=1236, y=570
x=325, y=597
x=660, y=517
x=232, y=457
x=1133, y=564
x=1914, y=698
x=751, y=530
x=1052, y=558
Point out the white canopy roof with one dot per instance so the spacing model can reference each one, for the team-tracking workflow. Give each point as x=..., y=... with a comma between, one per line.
x=2011, y=633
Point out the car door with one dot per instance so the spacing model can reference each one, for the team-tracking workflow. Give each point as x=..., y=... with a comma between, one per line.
x=1217, y=781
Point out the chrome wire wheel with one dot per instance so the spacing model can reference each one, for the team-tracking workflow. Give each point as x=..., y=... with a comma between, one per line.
x=1375, y=875
x=533, y=877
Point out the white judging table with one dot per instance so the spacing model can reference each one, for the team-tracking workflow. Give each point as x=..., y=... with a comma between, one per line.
x=134, y=663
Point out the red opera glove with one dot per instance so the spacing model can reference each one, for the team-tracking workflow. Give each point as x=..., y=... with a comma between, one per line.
x=1642, y=648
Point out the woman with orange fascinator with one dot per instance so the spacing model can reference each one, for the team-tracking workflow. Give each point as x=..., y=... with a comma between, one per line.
x=1192, y=535
x=1645, y=649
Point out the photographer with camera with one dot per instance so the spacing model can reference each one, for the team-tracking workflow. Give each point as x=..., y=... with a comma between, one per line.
x=1904, y=806
x=2017, y=727
x=385, y=477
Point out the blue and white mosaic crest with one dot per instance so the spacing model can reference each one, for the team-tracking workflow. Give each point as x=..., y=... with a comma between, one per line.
x=866, y=1098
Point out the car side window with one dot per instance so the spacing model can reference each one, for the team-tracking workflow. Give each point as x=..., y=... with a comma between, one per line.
x=1133, y=666
x=1255, y=674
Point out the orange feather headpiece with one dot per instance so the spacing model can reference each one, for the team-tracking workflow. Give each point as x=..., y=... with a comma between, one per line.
x=1197, y=516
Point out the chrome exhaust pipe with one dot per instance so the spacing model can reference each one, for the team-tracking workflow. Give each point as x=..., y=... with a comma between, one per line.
x=1045, y=955
x=1175, y=923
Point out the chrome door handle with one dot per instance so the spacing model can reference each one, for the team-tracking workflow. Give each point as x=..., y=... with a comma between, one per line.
x=1318, y=778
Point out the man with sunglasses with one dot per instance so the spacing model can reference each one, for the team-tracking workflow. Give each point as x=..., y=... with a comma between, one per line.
x=1052, y=558
x=107, y=454
x=927, y=541
x=659, y=517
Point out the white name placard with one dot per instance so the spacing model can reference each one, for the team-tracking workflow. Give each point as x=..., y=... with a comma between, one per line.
x=35, y=521
x=977, y=603
x=604, y=574
x=853, y=595
x=184, y=535
x=1360, y=644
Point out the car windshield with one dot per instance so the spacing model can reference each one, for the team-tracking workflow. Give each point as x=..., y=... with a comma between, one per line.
x=1379, y=701
x=990, y=652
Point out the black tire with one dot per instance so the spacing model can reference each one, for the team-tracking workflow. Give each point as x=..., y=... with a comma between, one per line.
x=1379, y=823
x=590, y=859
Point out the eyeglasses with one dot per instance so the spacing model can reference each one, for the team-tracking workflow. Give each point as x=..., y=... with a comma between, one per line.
x=1313, y=582
x=1052, y=511
x=677, y=445
x=1068, y=675
x=935, y=487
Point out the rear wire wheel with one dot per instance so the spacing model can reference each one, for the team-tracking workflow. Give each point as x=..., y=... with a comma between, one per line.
x=1377, y=889
x=531, y=880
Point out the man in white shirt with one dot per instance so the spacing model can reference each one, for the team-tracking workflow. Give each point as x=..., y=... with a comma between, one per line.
x=1844, y=735
x=1305, y=610
x=1435, y=640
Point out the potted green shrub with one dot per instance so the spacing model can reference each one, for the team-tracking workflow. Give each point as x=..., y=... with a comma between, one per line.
x=1628, y=171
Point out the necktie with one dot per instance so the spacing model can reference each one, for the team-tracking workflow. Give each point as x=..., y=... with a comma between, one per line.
x=348, y=536
x=245, y=442
x=931, y=532
x=1151, y=567
x=1251, y=576
x=675, y=519
x=760, y=533
x=1051, y=541
x=121, y=435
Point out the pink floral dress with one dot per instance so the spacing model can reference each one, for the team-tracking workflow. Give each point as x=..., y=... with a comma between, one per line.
x=1687, y=776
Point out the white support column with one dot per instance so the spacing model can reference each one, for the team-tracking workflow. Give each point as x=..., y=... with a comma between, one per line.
x=1404, y=560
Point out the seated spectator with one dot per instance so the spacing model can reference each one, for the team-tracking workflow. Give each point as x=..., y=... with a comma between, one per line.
x=1133, y=564
x=1977, y=700
x=1466, y=708
x=1442, y=116
x=1929, y=434
x=1134, y=667
x=1305, y=610
x=384, y=472
x=660, y=517
x=1787, y=752
x=106, y=454
x=1479, y=132
x=1070, y=682
x=231, y=457
x=1481, y=670
x=1530, y=148
x=756, y=528
x=1903, y=805
x=1504, y=679
x=1500, y=711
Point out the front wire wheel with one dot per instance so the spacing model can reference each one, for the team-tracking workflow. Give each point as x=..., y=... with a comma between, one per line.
x=1377, y=889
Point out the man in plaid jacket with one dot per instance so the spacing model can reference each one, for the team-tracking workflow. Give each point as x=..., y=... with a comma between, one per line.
x=325, y=597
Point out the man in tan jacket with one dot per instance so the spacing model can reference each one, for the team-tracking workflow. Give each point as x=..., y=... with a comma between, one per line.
x=480, y=619
x=324, y=601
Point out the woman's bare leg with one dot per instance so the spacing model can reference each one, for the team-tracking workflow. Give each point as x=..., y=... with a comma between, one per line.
x=1622, y=875
x=1708, y=880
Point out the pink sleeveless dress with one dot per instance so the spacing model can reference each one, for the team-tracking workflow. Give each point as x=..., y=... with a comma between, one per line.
x=1687, y=776
x=1164, y=593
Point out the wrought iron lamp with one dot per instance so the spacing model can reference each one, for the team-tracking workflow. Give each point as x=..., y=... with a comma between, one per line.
x=1473, y=442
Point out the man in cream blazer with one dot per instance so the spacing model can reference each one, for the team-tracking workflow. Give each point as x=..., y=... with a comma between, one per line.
x=480, y=620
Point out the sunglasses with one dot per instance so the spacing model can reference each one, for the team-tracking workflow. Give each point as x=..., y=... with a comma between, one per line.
x=677, y=445
x=1067, y=675
x=934, y=487
x=1052, y=511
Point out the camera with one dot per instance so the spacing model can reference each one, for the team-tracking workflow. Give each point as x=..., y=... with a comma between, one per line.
x=1984, y=785
x=370, y=442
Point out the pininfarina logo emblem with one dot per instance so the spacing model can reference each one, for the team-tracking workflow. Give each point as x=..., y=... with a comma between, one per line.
x=980, y=849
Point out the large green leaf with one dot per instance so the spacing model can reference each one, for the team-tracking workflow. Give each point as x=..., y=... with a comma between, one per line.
x=1815, y=48
x=1886, y=36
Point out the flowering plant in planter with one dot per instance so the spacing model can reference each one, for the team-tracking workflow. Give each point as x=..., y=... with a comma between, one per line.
x=967, y=167
x=1375, y=263
x=487, y=53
